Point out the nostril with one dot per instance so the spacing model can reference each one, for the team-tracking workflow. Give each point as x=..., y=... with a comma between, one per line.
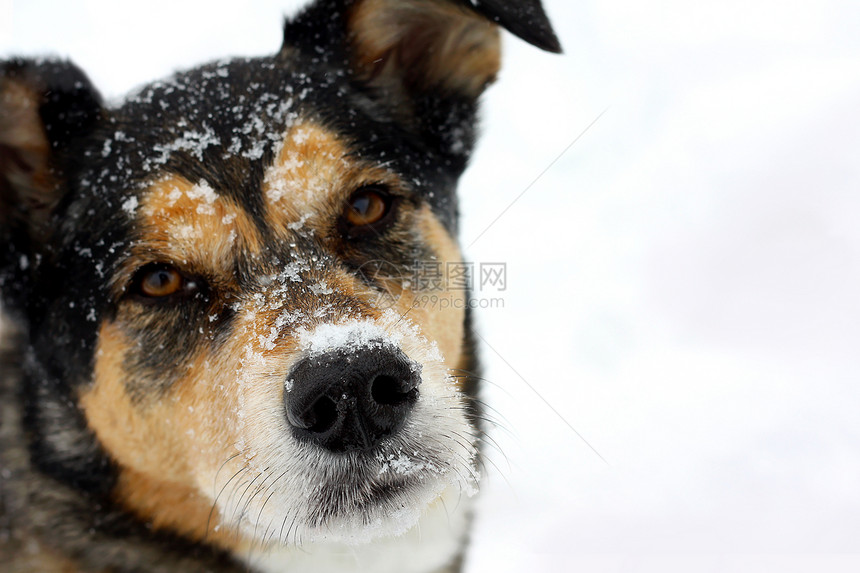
x=320, y=416
x=323, y=415
x=389, y=391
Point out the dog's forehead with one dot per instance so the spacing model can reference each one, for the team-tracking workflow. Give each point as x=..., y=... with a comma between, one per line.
x=302, y=192
x=220, y=123
x=236, y=124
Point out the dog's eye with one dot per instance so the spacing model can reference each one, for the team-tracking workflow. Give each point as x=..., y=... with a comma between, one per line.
x=160, y=280
x=368, y=207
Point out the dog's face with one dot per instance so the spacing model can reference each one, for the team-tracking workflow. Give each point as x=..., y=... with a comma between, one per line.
x=218, y=276
x=265, y=342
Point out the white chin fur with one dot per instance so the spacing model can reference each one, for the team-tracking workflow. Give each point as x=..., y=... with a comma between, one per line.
x=427, y=547
x=281, y=493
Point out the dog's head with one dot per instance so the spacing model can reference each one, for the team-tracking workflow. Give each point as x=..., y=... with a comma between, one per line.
x=217, y=277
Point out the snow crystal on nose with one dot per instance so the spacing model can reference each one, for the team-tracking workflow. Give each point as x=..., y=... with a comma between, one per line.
x=391, y=330
x=351, y=335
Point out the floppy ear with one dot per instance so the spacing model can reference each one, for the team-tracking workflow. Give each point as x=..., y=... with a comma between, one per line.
x=427, y=60
x=444, y=45
x=44, y=106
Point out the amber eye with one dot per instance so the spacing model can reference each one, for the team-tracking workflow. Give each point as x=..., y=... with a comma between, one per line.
x=158, y=281
x=367, y=206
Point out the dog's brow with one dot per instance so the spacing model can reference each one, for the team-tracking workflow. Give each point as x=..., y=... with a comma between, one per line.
x=312, y=172
x=185, y=221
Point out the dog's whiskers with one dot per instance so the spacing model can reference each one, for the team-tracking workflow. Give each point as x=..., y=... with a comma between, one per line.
x=214, y=507
x=244, y=506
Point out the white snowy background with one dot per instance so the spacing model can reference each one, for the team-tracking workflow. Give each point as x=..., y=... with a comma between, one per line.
x=676, y=368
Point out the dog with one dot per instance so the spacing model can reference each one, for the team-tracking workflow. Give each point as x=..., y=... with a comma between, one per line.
x=211, y=358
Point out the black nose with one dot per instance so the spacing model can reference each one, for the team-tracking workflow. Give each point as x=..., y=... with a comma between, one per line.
x=349, y=400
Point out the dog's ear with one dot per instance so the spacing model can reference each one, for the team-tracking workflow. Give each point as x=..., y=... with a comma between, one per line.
x=437, y=45
x=427, y=60
x=44, y=107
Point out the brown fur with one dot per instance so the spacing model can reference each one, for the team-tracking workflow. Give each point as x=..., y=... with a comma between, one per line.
x=434, y=42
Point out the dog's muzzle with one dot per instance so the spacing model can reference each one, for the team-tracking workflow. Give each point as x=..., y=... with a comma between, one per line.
x=350, y=399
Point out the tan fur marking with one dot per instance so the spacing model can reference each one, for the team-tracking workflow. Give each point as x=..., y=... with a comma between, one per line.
x=173, y=507
x=310, y=177
x=168, y=450
x=151, y=444
x=192, y=219
x=443, y=322
x=129, y=430
x=188, y=224
x=427, y=43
